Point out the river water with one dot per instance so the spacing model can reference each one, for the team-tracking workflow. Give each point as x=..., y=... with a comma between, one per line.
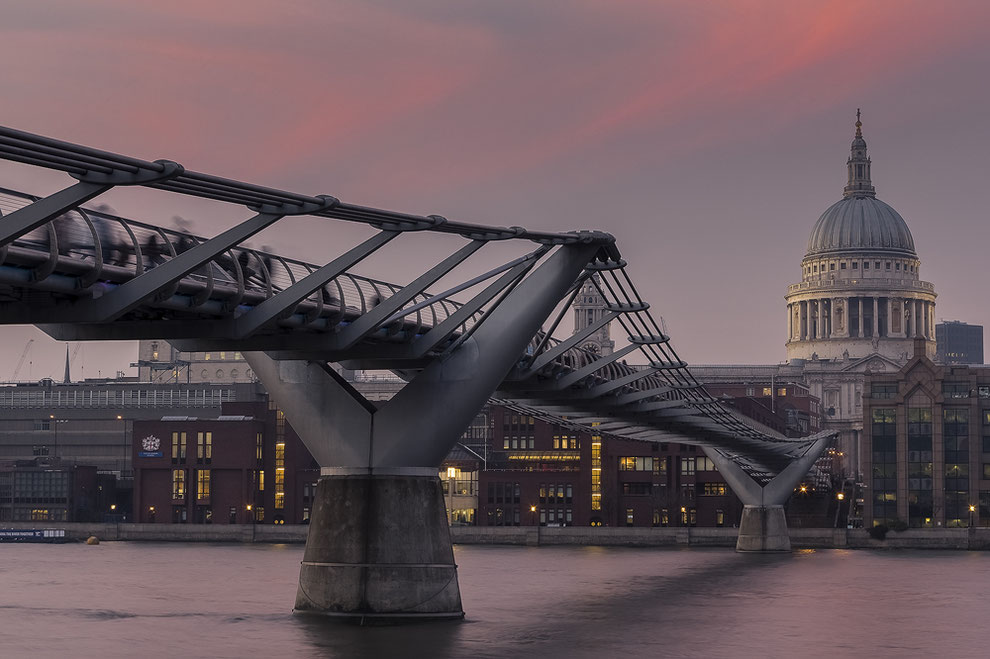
x=199, y=600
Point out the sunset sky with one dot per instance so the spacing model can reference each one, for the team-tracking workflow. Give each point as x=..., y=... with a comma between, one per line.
x=706, y=136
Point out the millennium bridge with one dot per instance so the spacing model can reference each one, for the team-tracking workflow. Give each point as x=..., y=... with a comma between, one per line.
x=378, y=543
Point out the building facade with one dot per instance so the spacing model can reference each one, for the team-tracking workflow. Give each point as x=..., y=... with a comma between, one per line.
x=51, y=490
x=928, y=439
x=160, y=363
x=551, y=473
x=958, y=343
x=245, y=466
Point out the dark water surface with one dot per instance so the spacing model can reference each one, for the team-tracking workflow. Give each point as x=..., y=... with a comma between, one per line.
x=198, y=600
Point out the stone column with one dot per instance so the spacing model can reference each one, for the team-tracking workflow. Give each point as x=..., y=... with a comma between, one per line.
x=790, y=325
x=890, y=317
x=859, y=329
x=909, y=317
x=805, y=320
x=876, y=316
x=820, y=327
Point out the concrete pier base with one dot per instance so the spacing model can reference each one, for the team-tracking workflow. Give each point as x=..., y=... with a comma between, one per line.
x=763, y=529
x=379, y=551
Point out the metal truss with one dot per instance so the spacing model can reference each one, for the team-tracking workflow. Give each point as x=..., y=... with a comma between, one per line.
x=84, y=274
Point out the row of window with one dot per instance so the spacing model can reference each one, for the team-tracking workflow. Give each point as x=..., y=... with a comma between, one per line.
x=204, y=448
x=179, y=484
x=556, y=493
x=814, y=268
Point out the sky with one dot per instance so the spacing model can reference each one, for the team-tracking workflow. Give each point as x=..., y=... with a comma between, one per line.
x=707, y=137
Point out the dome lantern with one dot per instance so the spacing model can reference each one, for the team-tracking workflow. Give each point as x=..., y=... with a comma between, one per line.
x=859, y=183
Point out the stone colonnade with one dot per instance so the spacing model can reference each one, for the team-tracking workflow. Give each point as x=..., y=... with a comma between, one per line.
x=845, y=317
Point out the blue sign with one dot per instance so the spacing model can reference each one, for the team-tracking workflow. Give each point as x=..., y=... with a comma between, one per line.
x=149, y=454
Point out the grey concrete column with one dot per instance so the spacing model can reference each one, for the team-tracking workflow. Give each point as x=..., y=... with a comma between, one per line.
x=763, y=529
x=378, y=549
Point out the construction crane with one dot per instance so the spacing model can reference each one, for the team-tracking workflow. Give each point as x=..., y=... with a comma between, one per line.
x=20, y=363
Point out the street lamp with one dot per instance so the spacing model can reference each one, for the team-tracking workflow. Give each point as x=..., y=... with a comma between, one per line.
x=451, y=473
x=972, y=510
x=532, y=510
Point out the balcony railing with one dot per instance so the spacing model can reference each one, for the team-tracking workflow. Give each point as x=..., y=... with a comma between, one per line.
x=834, y=284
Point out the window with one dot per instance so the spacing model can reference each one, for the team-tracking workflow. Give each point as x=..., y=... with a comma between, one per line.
x=719, y=517
x=204, y=447
x=888, y=265
x=876, y=265
x=712, y=489
x=637, y=489
x=955, y=389
x=687, y=466
x=919, y=427
x=178, y=448
x=842, y=266
x=705, y=464
x=855, y=265
x=782, y=391
x=178, y=484
x=831, y=266
x=883, y=390
x=767, y=391
x=259, y=513
x=203, y=484
x=866, y=265
x=259, y=479
x=750, y=391
x=884, y=482
x=629, y=516
x=259, y=442
x=637, y=464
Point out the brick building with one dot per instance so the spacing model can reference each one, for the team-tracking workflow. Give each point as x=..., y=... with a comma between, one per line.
x=247, y=465
x=927, y=456
x=553, y=473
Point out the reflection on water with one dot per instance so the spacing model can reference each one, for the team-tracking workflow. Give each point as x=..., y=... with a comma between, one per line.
x=196, y=600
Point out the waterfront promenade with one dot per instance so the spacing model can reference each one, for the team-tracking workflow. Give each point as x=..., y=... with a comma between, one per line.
x=975, y=538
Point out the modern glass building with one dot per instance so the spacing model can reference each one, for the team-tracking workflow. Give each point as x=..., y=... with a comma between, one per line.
x=958, y=343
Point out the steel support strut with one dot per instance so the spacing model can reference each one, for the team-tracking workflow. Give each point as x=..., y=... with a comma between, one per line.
x=763, y=527
x=379, y=543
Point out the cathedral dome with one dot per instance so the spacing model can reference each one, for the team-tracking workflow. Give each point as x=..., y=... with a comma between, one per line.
x=861, y=224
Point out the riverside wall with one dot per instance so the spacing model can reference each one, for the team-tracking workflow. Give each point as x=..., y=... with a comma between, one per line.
x=801, y=538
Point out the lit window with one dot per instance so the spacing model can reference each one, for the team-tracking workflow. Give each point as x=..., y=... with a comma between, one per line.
x=782, y=391
x=767, y=391
x=203, y=484
x=178, y=484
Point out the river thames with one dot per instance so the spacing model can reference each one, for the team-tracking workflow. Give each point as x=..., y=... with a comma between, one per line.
x=202, y=600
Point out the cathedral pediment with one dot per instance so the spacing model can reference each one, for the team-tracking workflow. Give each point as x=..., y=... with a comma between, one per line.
x=875, y=363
